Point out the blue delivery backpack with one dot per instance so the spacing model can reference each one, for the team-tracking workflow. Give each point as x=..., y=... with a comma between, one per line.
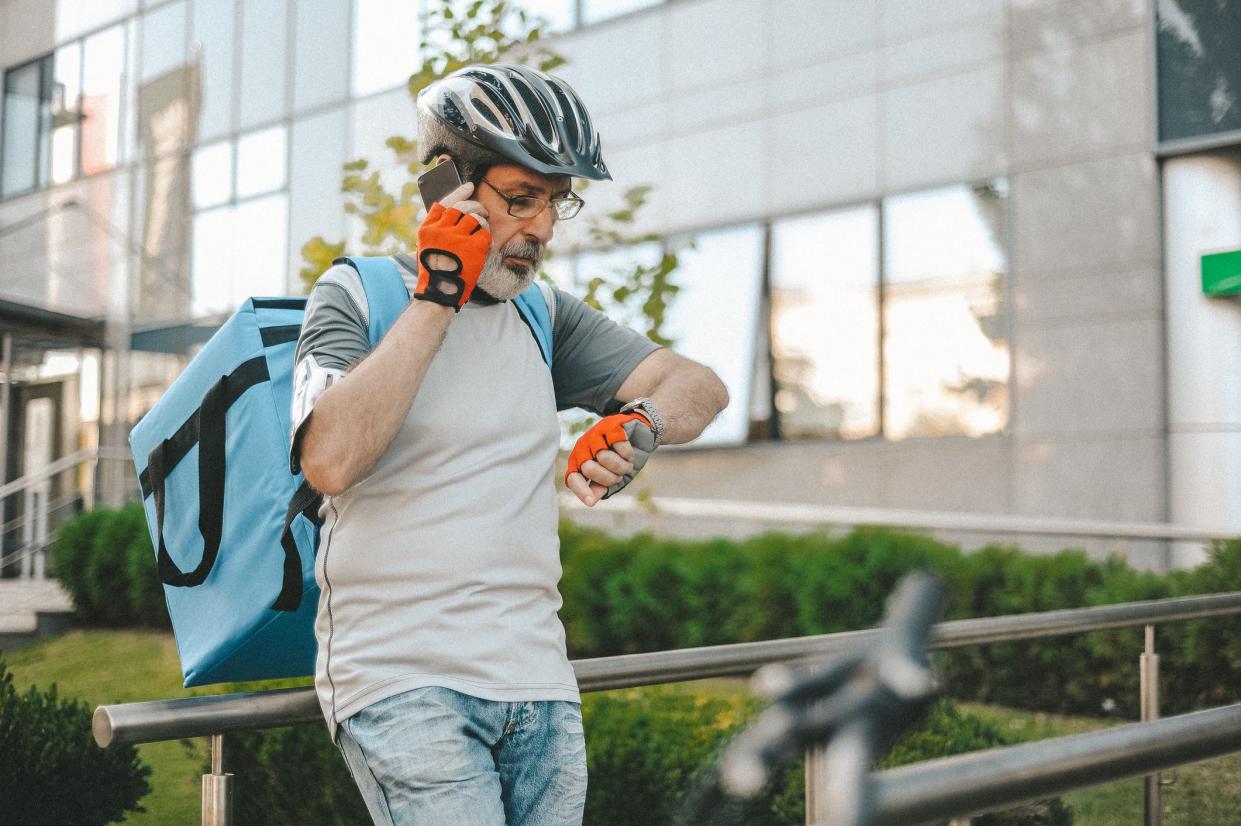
x=234, y=530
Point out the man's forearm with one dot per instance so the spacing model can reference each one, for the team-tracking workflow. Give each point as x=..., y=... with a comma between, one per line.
x=688, y=401
x=356, y=419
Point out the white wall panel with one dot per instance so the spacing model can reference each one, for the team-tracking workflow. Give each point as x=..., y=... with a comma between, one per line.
x=951, y=129
x=822, y=155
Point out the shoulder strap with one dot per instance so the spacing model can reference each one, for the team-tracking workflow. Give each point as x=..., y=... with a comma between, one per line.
x=537, y=310
x=386, y=295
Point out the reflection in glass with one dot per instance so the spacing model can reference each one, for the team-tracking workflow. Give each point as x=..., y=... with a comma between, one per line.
x=212, y=175
x=557, y=14
x=27, y=125
x=213, y=261
x=1199, y=68
x=163, y=40
x=211, y=48
x=825, y=324
x=261, y=162
x=264, y=36
x=946, y=356
x=103, y=68
x=254, y=233
x=321, y=67
x=714, y=317
x=73, y=17
x=66, y=91
x=385, y=39
x=595, y=10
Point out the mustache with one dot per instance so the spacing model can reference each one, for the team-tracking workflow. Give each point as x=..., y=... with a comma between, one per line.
x=532, y=251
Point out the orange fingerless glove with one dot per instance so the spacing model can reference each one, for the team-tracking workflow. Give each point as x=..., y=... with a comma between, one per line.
x=449, y=232
x=622, y=427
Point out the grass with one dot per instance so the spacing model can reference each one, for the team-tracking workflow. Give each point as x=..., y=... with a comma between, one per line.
x=123, y=666
x=103, y=667
x=1201, y=794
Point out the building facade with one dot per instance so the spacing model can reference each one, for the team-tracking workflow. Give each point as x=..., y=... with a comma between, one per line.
x=946, y=256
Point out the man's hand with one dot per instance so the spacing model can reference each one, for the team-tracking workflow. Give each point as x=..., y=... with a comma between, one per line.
x=608, y=456
x=452, y=248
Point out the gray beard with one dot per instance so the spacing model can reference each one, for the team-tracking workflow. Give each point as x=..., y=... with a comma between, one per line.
x=502, y=282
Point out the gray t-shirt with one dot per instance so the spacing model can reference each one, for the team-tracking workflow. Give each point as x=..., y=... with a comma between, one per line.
x=441, y=566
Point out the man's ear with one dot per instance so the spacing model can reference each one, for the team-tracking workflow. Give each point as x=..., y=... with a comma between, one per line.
x=442, y=157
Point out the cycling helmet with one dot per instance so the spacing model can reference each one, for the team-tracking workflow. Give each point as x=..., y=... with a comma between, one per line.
x=505, y=113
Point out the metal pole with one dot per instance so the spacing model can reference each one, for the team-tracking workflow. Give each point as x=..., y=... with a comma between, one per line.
x=217, y=788
x=6, y=365
x=1148, y=663
x=816, y=786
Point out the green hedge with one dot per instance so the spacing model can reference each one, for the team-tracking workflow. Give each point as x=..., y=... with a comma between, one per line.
x=644, y=594
x=51, y=771
x=647, y=749
x=106, y=562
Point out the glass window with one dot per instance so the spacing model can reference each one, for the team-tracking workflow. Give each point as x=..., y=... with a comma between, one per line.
x=66, y=115
x=1199, y=68
x=262, y=243
x=73, y=17
x=385, y=44
x=164, y=83
x=595, y=10
x=212, y=175
x=253, y=233
x=27, y=125
x=264, y=36
x=713, y=319
x=825, y=324
x=261, y=162
x=321, y=72
x=213, y=259
x=212, y=47
x=557, y=14
x=104, y=67
x=946, y=357
x=163, y=41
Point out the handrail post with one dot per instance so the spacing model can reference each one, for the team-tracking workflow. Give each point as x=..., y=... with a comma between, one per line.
x=1148, y=664
x=816, y=786
x=217, y=788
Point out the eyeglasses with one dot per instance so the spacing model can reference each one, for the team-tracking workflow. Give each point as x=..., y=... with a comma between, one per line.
x=563, y=207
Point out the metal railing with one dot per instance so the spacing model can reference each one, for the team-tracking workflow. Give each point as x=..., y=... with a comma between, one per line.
x=214, y=716
x=1000, y=778
x=40, y=515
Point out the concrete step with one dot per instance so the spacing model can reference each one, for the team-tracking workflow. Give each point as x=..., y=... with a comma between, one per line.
x=31, y=610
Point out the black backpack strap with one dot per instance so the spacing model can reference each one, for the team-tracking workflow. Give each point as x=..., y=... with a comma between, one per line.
x=205, y=428
x=210, y=487
x=306, y=501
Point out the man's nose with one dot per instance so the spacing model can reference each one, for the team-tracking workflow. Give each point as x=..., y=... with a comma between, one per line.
x=542, y=226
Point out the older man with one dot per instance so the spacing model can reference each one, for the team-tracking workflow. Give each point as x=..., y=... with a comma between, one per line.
x=442, y=668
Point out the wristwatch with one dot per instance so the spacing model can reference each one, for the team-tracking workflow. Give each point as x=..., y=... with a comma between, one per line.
x=647, y=408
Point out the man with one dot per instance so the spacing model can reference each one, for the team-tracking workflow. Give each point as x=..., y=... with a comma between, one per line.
x=442, y=669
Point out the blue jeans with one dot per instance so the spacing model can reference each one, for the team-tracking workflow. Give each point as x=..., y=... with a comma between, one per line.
x=438, y=757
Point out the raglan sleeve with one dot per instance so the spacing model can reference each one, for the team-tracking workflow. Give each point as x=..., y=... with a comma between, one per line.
x=333, y=339
x=592, y=356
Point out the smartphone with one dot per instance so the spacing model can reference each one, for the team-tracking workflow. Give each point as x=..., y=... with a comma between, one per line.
x=438, y=181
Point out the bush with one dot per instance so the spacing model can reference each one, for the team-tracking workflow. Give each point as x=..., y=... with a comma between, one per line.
x=51, y=771
x=106, y=562
x=291, y=775
x=641, y=594
x=946, y=732
x=647, y=749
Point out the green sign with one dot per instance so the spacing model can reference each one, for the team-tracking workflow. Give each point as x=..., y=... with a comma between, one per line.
x=1221, y=273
